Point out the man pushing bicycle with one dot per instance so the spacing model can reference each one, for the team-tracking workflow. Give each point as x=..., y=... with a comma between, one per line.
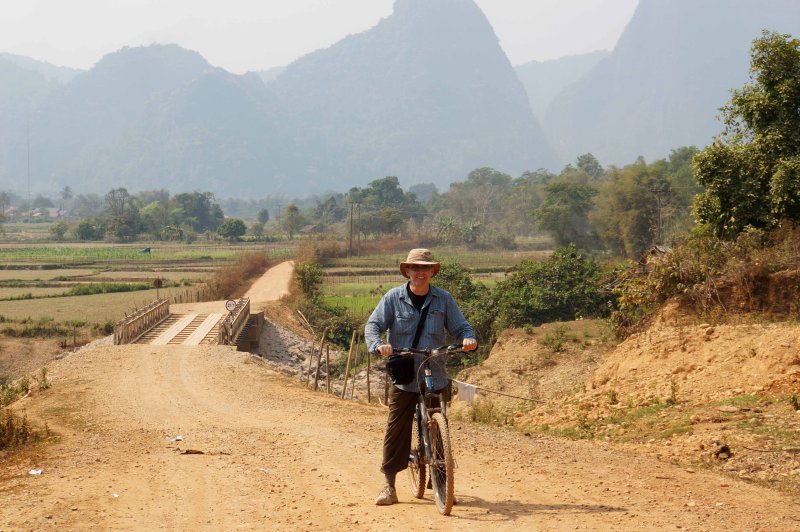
x=415, y=314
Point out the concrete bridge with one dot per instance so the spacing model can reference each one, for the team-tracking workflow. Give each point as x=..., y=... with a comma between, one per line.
x=156, y=325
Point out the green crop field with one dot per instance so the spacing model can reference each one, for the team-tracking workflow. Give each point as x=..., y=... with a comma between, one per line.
x=476, y=260
x=97, y=308
x=7, y=293
x=358, y=283
x=42, y=281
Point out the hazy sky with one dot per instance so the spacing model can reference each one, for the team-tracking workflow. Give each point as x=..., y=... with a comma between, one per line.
x=242, y=35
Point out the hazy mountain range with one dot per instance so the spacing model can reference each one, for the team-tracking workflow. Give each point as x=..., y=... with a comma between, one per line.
x=662, y=86
x=545, y=80
x=426, y=95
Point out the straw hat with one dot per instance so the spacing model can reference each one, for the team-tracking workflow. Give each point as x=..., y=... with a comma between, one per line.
x=419, y=256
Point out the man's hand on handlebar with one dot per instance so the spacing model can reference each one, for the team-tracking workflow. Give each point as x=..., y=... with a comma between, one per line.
x=385, y=350
x=469, y=344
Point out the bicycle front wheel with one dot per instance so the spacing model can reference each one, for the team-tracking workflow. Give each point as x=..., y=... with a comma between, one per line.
x=442, y=464
x=416, y=463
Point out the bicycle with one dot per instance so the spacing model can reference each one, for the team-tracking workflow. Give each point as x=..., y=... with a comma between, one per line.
x=431, y=452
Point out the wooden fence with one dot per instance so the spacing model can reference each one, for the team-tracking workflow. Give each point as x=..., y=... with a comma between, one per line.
x=190, y=295
x=130, y=328
x=232, y=325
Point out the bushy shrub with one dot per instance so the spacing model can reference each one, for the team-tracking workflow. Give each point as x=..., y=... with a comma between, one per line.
x=106, y=288
x=15, y=430
x=319, y=250
x=564, y=287
x=475, y=301
x=309, y=278
x=697, y=267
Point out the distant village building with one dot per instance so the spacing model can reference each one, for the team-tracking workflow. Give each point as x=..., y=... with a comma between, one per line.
x=653, y=255
x=310, y=229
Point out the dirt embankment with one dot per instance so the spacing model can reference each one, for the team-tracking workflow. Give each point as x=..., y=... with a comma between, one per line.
x=207, y=438
x=721, y=397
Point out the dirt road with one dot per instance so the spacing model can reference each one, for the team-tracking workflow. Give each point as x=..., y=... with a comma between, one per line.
x=279, y=457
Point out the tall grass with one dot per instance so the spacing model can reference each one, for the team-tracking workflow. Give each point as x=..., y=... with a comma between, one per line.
x=106, y=288
x=15, y=431
x=232, y=281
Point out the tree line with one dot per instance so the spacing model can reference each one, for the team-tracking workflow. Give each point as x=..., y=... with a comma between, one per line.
x=746, y=178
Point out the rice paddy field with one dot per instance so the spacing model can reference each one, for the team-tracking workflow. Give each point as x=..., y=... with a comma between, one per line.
x=99, y=283
x=357, y=283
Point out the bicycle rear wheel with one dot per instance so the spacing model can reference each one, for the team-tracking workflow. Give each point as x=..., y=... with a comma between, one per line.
x=416, y=462
x=442, y=466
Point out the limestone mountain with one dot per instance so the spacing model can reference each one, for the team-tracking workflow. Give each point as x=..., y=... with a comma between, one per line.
x=75, y=131
x=56, y=73
x=544, y=80
x=662, y=86
x=426, y=95
x=21, y=91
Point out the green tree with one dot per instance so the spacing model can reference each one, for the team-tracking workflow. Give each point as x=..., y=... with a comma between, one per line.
x=198, y=210
x=65, y=195
x=751, y=172
x=386, y=221
x=589, y=164
x=386, y=193
x=232, y=229
x=518, y=206
x=263, y=216
x=121, y=215
x=634, y=208
x=565, y=211
x=58, y=230
x=329, y=211
x=470, y=231
x=257, y=230
x=4, y=199
x=86, y=230
x=292, y=221
x=480, y=196
x=446, y=227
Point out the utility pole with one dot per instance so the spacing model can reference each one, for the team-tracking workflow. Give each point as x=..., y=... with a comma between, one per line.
x=28, y=143
x=350, y=246
x=358, y=232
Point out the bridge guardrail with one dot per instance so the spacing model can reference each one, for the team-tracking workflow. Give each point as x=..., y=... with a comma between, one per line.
x=130, y=328
x=232, y=325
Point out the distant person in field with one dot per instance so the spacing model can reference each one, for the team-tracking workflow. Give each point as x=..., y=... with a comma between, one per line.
x=398, y=313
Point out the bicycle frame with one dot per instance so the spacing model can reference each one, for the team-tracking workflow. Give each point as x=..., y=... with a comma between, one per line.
x=431, y=458
x=425, y=408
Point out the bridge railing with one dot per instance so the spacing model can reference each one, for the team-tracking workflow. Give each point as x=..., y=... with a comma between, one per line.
x=232, y=325
x=130, y=328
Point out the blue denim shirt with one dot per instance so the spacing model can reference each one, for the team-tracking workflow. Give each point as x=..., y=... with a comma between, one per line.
x=396, y=314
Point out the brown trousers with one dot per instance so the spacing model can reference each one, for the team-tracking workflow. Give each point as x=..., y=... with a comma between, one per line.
x=397, y=441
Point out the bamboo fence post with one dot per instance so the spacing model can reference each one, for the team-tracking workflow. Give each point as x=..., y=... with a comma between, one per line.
x=369, y=357
x=311, y=354
x=328, y=367
x=319, y=363
x=355, y=365
x=347, y=368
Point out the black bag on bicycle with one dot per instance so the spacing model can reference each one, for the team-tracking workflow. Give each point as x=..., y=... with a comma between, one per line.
x=400, y=369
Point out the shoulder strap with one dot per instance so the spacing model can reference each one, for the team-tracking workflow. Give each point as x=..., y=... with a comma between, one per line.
x=420, y=325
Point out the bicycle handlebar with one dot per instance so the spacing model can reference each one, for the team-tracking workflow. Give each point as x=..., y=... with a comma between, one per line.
x=410, y=351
